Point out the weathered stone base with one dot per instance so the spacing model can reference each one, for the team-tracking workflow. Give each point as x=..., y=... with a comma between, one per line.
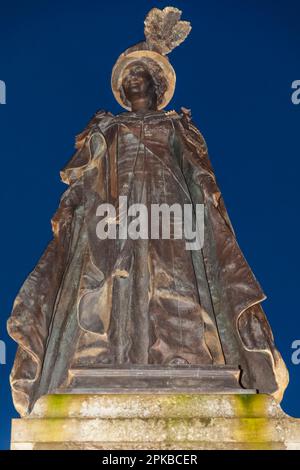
x=145, y=421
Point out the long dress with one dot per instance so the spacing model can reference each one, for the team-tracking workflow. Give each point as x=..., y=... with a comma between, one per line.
x=93, y=301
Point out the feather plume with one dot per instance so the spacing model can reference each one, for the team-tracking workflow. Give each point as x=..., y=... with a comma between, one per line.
x=164, y=30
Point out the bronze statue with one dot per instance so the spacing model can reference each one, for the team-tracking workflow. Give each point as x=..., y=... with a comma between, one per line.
x=97, y=304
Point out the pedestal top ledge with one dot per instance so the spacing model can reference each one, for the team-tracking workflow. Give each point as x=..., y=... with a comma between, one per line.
x=172, y=405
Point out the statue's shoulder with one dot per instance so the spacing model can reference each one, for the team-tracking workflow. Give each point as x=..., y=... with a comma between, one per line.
x=184, y=116
x=188, y=130
x=186, y=119
x=102, y=115
x=99, y=122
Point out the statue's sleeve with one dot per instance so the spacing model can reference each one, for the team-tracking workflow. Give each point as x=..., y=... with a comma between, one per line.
x=35, y=304
x=236, y=293
x=90, y=146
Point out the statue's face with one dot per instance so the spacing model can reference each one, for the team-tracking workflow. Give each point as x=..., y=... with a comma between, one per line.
x=138, y=83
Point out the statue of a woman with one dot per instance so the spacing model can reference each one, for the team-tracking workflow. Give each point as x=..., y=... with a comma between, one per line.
x=94, y=301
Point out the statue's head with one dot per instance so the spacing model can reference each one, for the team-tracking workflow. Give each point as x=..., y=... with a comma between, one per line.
x=143, y=72
x=141, y=75
x=138, y=82
x=139, y=86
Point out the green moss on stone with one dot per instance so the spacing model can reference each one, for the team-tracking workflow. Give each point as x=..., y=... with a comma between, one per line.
x=57, y=405
x=251, y=405
x=253, y=423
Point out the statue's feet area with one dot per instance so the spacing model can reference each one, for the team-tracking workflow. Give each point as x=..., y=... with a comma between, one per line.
x=176, y=375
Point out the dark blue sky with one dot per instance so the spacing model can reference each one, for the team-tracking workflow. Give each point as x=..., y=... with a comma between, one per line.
x=235, y=71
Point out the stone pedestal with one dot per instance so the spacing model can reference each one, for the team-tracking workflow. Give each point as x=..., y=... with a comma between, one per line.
x=156, y=421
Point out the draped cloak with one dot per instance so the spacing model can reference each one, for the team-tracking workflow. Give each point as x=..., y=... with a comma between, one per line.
x=91, y=301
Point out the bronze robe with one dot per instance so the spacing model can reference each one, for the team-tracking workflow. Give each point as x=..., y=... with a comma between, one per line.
x=91, y=302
